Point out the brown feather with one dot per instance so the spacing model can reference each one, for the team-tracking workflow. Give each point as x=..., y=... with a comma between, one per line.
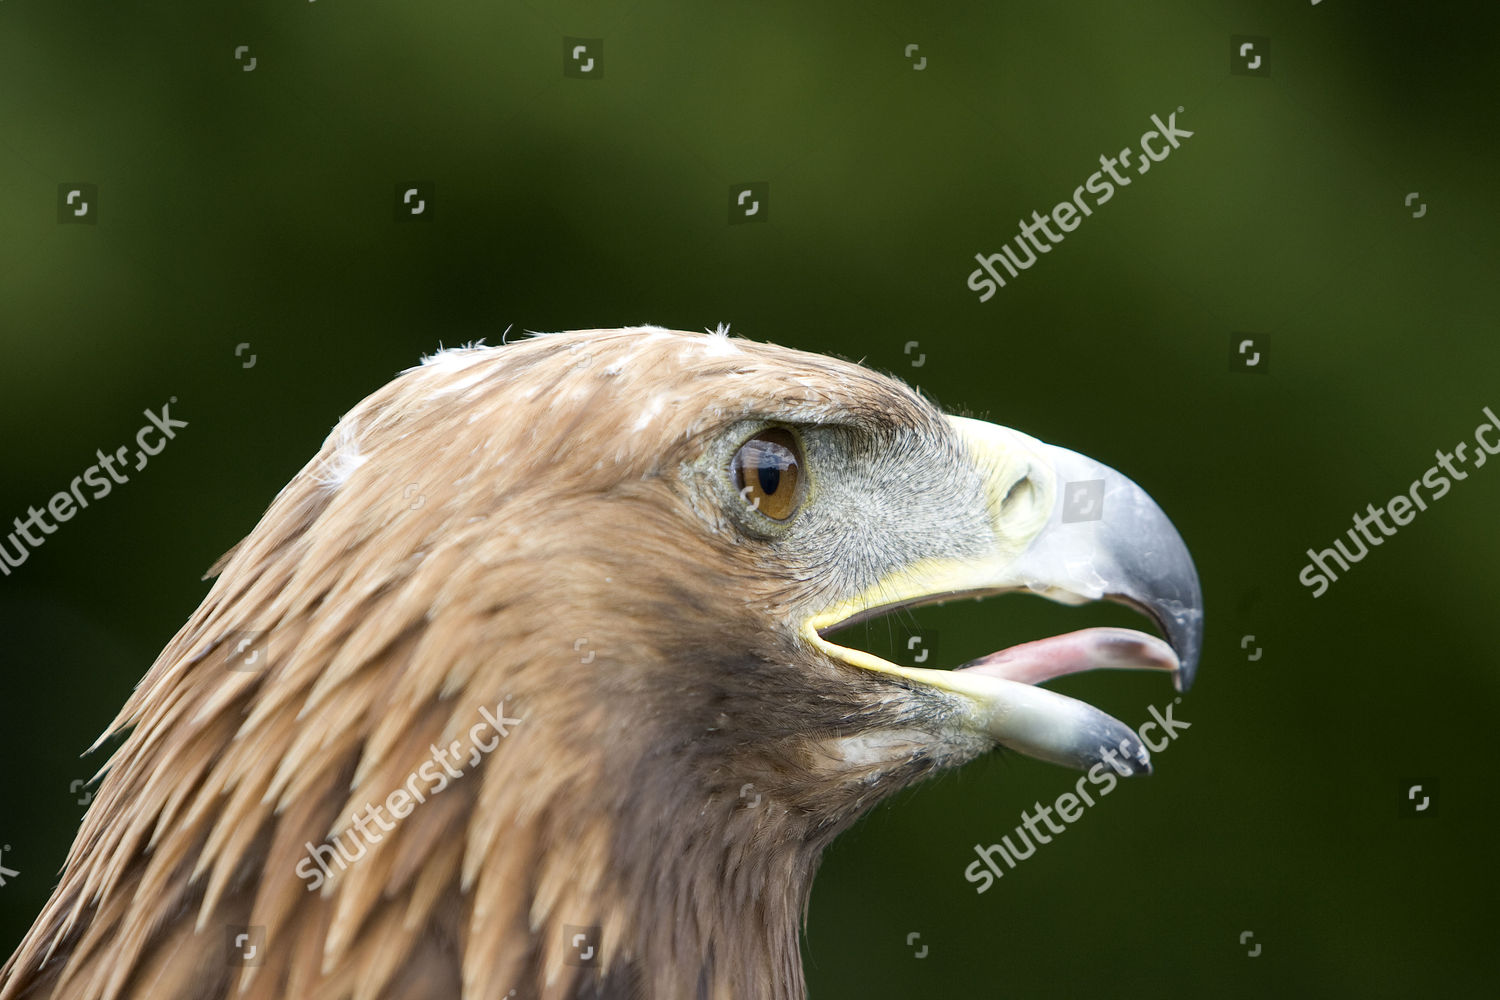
x=552, y=513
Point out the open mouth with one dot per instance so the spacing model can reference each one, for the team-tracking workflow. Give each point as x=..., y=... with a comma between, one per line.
x=1128, y=553
x=1030, y=719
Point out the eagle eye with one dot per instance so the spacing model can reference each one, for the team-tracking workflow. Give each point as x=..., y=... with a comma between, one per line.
x=768, y=473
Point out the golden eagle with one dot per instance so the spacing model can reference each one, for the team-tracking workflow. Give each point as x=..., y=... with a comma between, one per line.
x=471, y=713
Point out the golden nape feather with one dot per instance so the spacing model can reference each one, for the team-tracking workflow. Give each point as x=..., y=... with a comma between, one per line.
x=471, y=712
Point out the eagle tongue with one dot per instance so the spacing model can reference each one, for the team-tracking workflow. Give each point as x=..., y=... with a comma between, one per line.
x=1074, y=652
x=1053, y=727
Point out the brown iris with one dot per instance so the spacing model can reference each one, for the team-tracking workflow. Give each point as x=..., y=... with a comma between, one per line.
x=768, y=473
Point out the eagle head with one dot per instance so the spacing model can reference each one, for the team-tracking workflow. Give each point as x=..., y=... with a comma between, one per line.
x=526, y=684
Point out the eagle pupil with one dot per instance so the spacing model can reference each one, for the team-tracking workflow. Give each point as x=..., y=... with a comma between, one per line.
x=770, y=478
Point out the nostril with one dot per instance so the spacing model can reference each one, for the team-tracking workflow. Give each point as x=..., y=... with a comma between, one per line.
x=1020, y=492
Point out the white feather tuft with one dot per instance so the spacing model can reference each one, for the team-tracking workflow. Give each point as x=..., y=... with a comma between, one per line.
x=346, y=458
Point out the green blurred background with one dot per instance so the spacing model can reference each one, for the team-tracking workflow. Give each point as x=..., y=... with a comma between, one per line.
x=258, y=207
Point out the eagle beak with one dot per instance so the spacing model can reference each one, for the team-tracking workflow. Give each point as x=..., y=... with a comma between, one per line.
x=1079, y=531
x=1105, y=538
